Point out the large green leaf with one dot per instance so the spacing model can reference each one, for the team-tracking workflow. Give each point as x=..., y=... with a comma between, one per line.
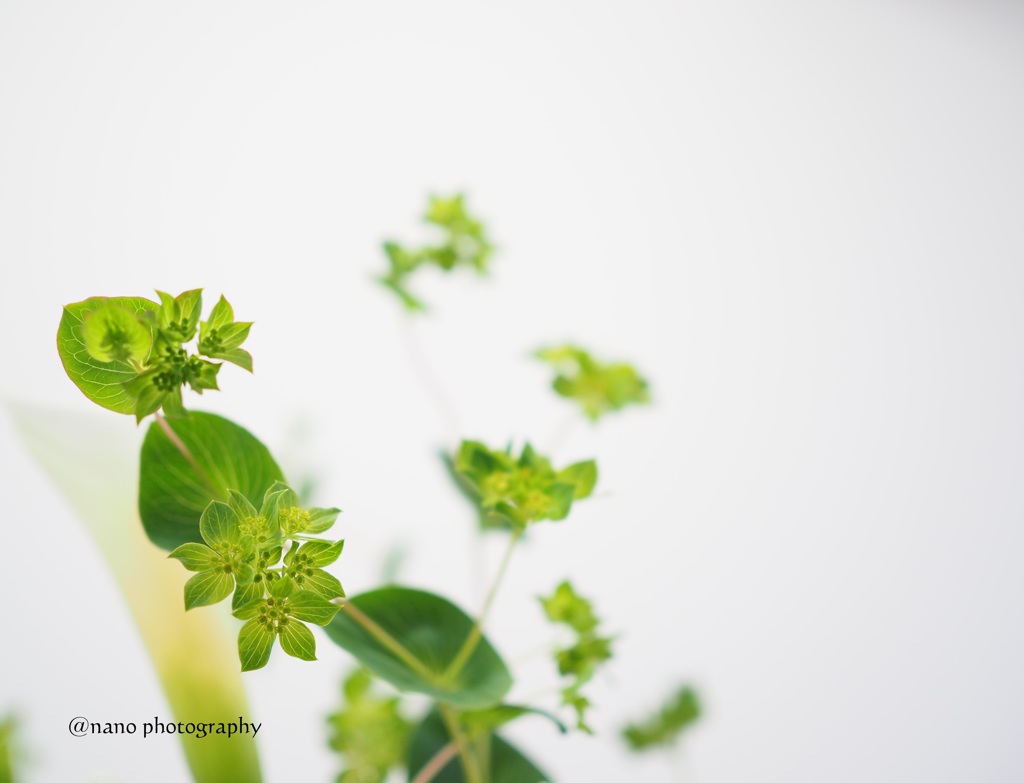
x=508, y=765
x=432, y=630
x=101, y=382
x=175, y=488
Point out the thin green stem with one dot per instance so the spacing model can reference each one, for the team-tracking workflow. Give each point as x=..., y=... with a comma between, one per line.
x=386, y=639
x=172, y=436
x=470, y=764
x=474, y=635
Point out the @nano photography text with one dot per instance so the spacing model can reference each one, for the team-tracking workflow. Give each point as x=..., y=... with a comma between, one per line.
x=83, y=727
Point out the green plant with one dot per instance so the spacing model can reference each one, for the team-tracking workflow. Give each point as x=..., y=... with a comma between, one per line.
x=213, y=496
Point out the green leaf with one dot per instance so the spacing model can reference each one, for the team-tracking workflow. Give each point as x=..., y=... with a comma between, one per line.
x=478, y=721
x=218, y=526
x=236, y=356
x=307, y=605
x=297, y=640
x=114, y=334
x=583, y=475
x=323, y=584
x=322, y=553
x=243, y=602
x=221, y=314
x=255, y=641
x=195, y=557
x=101, y=382
x=432, y=630
x=201, y=374
x=667, y=724
x=507, y=764
x=175, y=489
x=560, y=498
x=321, y=519
x=410, y=302
x=206, y=588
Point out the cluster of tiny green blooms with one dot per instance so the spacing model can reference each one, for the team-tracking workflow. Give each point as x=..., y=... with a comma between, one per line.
x=464, y=244
x=242, y=554
x=665, y=726
x=153, y=342
x=370, y=731
x=526, y=489
x=597, y=387
x=580, y=660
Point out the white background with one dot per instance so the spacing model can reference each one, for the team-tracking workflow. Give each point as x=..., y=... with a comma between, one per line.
x=802, y=220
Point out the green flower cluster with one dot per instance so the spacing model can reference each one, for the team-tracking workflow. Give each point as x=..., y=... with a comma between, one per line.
x=242, y=554
x=580, y=660
x=369, y=731
x=151, y=342
x=464, y=244
x=665, y=726
x=520, y=491
x=597, y=387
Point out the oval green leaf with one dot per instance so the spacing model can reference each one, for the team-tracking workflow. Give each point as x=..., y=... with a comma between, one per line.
x=175, y=489
x=508, y=765
x=101, y=382
x=432, y=630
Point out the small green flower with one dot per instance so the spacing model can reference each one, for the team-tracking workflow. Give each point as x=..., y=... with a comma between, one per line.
x=304, y=565
x=464, y=244
x=224, y=562
x=280, y=615
x=597, y=387
x=523, y=490
x=221, y=336
x=292, y=519
x=369, y=731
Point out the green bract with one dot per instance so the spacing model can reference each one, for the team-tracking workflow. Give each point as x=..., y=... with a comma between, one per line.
x=464, y=244
x=129, y=355
x=103, y=382
x=115, y=334
x=580, y=660
x=524, y=490
x=598, y=388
